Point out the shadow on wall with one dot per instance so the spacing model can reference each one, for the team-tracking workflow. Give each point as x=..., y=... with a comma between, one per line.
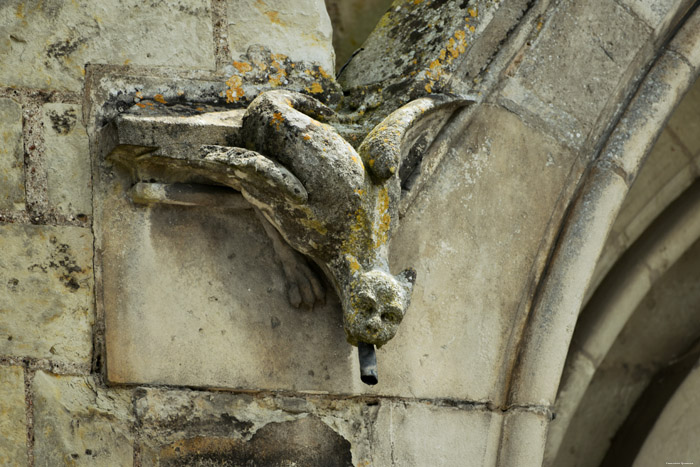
x=353, y=20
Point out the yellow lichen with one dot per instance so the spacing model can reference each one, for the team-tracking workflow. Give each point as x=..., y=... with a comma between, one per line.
x=235, y=91
x=381, y=229
x=242, y=67
x=277, y=120
x=474, y=12
x=315, y=88
x=307, y=137
x=274, y=17
x=323, y=73
x=159, y=98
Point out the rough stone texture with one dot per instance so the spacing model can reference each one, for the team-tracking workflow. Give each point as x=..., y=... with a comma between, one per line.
x=417, y=434
x=305, y=441
x=59, y=38
x=11, y=155
x=13, y=420
x=67, y=159
x=564, y=87
x=300, y=29
x=234, y=423
x=673, y=438
x=78, y=423
x=46, y=301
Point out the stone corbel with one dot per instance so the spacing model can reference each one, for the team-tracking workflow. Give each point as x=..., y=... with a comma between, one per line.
x=317, y=196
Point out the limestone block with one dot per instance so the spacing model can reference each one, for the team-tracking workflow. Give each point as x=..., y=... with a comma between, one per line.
x=11, y=155
x=576, y=63
x=657, y=14
x=58, y=38
x=300, y=29
x=78, y=423
x=523, y=436
x=46, y=302
x=421, y=434
x=67, y=159
x=13, y=427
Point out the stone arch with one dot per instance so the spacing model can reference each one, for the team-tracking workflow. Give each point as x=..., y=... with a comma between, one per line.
x=574, y=270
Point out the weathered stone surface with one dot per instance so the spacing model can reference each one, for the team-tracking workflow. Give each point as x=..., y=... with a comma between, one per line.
x=655, y=13
x=300, y=29
x=565, y=87
x=13, y=420
x=479, y=204
x=67, y=159
x=419, y=434
x=11, y=155
x=171, y=418
x=59, y=38
x=46, y=302
x=78, y=423
x=304, y=441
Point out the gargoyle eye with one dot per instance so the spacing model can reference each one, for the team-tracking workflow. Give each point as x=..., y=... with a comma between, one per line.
x=392, y=315
x=366, y=304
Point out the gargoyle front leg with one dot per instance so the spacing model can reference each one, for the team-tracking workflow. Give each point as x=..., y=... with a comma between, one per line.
x=304, y=288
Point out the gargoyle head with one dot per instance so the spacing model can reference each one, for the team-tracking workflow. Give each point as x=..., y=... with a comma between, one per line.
x=374, y=305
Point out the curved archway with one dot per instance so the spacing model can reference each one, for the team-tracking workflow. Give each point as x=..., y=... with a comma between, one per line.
x=636, y=337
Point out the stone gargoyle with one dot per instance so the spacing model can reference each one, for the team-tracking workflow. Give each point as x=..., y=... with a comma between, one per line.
x=316, y=194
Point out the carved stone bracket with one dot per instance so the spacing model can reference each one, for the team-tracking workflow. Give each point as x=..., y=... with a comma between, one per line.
x=315, y=193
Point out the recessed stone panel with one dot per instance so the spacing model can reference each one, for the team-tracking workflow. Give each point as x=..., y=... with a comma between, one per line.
x=195, y=296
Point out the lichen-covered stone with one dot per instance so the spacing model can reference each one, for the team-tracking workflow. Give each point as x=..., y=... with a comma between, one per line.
x=67, y=159
x=78, y=423
x=59, y=38
x=11, y=155
x=13, y=419
x=300, y=29
x=259, y=69
x=46, y=301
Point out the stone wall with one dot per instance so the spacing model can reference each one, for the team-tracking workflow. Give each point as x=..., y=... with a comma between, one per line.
x=505, y=233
